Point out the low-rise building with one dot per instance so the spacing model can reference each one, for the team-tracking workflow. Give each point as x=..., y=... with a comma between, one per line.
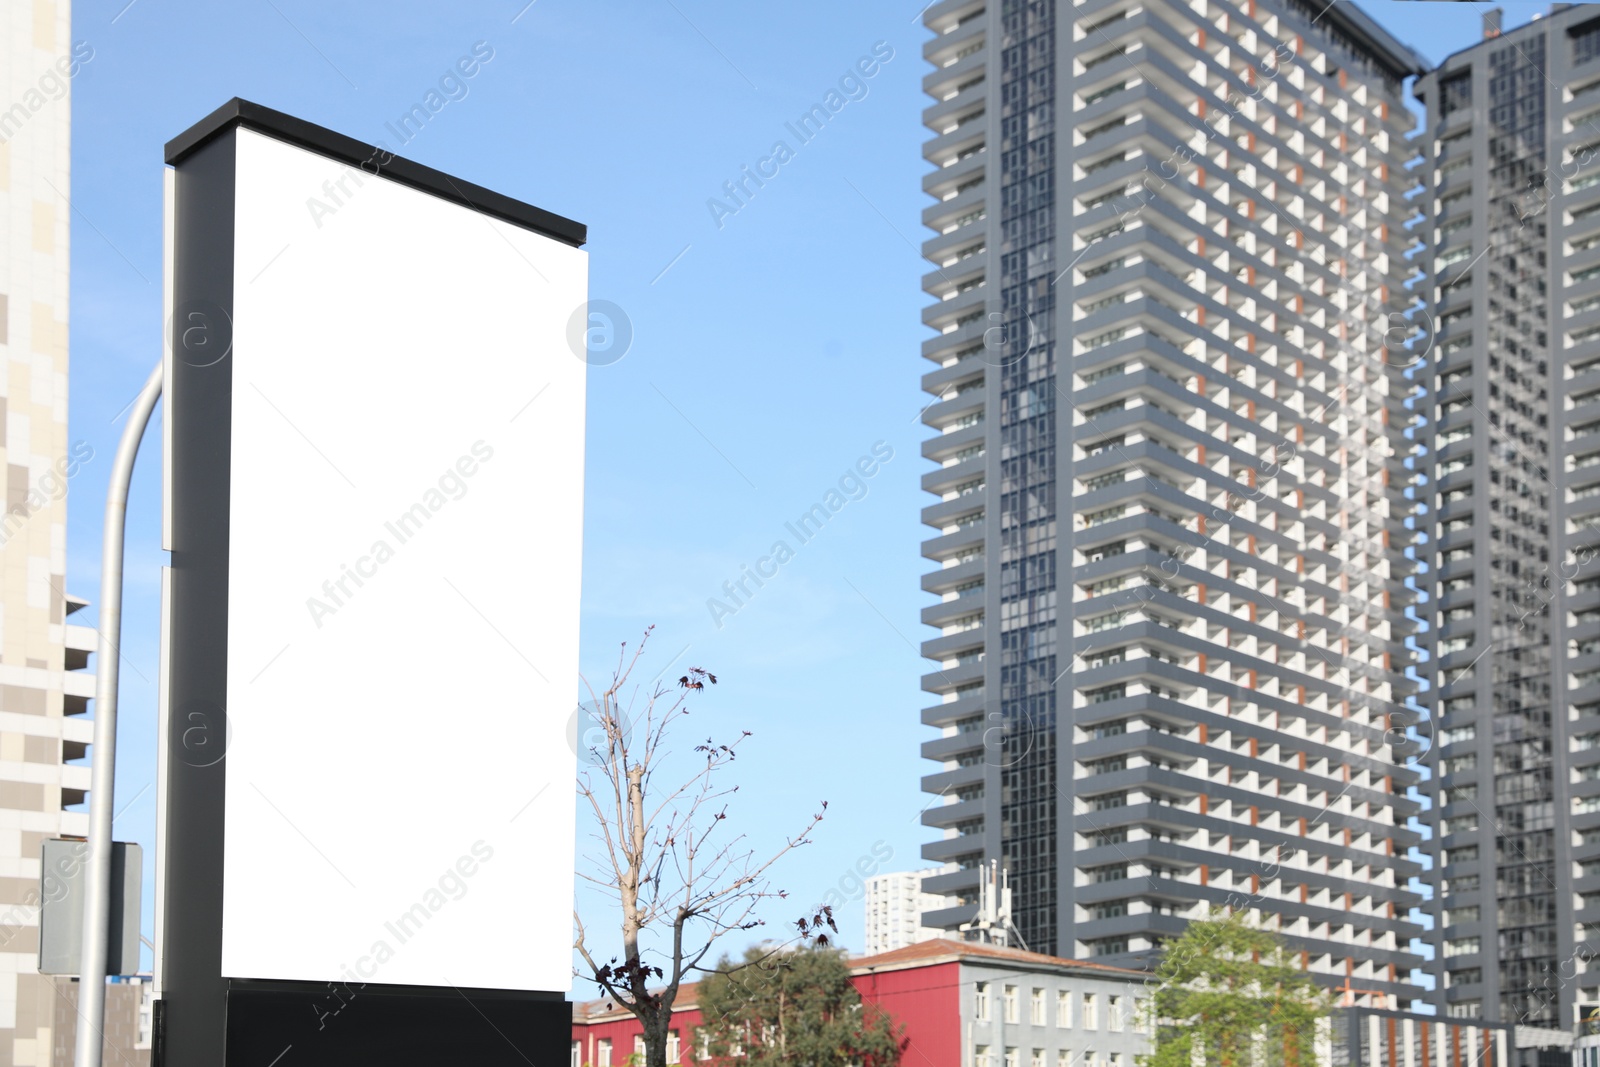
x=959, y=1003
x=1374, y=1037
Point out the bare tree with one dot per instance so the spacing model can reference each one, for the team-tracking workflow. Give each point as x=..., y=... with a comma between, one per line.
x=680, y=877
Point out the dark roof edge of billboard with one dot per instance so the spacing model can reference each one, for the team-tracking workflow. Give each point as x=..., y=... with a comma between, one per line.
x=319, y=139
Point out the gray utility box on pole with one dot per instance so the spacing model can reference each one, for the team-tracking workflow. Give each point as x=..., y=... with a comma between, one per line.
x=61, y=907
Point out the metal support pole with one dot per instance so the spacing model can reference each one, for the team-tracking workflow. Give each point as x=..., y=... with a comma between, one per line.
x=97, y=874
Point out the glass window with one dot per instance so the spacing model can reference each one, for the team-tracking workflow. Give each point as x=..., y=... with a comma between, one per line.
x=1063, y=1008
x=1091, y=1011
x=1011, y=1004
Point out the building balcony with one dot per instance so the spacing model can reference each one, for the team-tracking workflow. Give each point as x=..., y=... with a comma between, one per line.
x=951, y=850
x=950, y=646
x=940, y=816
x=941, y=581
x=953, y=747
x=950, y=544
x=940, y=81
x=942, y=715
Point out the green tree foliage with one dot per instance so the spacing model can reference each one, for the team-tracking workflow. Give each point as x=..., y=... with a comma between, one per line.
x=1229, y=993
x=793, y=1007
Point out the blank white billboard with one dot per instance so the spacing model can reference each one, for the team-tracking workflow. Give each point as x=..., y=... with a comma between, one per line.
x=405, y=545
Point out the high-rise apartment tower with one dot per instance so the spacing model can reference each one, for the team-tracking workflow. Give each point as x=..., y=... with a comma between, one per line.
x=1511, y=220
x=1172, y=471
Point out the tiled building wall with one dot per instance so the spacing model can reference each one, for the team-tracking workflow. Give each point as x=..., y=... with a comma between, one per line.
x=39, y=650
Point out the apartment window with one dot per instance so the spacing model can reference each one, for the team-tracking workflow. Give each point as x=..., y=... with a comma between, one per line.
x=577, y=1054
x=1037, y=1059
x=980, y=1057
x=603, y=1053
x=1096, y=518
x=1036, y=1008
x=1462, y=946
x=1064, y=1058
x=1101, y=340
x=638, y=1046
x=1122, y=261
x=1011, y=1057
x=1091, y=1011
x=1064, y=1009
x=1110, y=90
x=1011, y=1005
x=981, y=1002
x=674, y=1049
x=1093, y=413
x=1114, y=1012
x=1101, y=481
x=1586, y=42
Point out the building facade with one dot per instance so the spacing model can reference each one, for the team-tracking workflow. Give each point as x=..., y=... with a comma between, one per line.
x=130, y=1022
x=895, y=904
x=1512, y=227
x=1172, y=475
x=960, y=1004
x=44, y=689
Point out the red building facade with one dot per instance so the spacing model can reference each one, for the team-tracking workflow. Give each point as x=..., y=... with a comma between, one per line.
x=957, y=1004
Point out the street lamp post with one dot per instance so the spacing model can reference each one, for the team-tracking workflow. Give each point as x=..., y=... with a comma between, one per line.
x=97, y=874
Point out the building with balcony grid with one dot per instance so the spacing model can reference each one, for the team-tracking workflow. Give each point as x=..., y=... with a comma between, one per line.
x=1171, y=463
x=1511, y=221
x=895, y=904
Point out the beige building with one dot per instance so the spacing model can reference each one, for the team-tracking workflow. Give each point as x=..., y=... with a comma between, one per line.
x=44, y=689
x=128, y=1023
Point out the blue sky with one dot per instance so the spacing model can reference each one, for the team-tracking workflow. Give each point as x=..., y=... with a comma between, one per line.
x=772, y=347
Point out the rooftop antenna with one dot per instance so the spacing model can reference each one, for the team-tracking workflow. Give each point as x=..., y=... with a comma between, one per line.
x=992, y=925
